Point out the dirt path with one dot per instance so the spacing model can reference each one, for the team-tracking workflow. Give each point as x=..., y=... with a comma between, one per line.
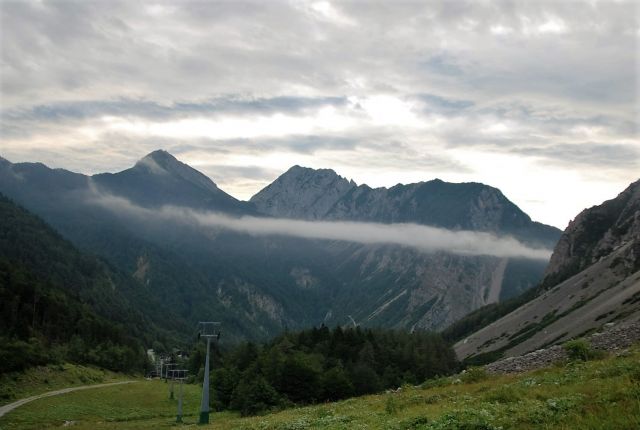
x=11, y=406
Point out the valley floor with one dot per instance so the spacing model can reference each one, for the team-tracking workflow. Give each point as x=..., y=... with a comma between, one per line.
x=602, y=394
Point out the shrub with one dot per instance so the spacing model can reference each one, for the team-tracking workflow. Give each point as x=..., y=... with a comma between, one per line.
x=391, y=405
x=414, y=423
x=580, y=349
x=435, y=382
x=254, y=395
x=474, y=374
x=504, y=394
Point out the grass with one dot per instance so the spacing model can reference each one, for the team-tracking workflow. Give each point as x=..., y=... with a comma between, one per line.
x=600, y=394
x=18, y=385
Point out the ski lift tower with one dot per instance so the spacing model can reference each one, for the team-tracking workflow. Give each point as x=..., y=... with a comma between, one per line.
x=179, y=375
x=208, y=330
x=169, y=368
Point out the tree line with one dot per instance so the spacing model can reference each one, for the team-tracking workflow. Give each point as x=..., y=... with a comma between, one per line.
x=322, y=364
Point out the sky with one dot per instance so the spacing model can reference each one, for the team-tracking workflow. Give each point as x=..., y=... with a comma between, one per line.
x=539, y=99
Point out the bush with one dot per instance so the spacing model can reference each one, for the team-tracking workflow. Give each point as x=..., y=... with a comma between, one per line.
x=391, y=405
x=504, y=394
x=580, y=350
x=414, y=423
x=254, y=395
x=474, y=374
x=335, y=384
x=17, y=355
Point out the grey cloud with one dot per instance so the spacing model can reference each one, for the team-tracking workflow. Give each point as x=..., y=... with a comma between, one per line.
x=153, y=110
x=442, y=105
x=538, y=125
x=588, y=154
x=444, y=65
x=423, y=238
x=221, y=173
x=196, y=48
x=300, y=144
x=305, y=144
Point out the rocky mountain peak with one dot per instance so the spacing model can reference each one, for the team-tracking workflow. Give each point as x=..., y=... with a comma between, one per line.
x=302, y=192
x=161, y=162
x=300, y=173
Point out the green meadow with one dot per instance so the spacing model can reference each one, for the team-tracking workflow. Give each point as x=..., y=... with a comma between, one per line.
x=598, y=394
x=37, y=380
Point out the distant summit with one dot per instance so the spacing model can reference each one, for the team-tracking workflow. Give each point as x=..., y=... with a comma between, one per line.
x=162, y=162
x=303, y=193
x=160, y=179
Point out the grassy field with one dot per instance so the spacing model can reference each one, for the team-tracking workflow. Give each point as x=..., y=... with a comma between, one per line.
x=602, y=394
x=18, y=385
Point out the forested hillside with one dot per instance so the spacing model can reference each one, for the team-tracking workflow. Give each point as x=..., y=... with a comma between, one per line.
x=57, y=304
x=320, y=364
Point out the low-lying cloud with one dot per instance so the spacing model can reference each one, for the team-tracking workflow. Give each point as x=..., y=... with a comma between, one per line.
x=420, y=237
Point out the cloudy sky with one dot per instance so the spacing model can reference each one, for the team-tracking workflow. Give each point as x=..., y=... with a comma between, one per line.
x=539, y=99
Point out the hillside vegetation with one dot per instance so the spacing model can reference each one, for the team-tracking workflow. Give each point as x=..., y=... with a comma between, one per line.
x=586, y=395
x=320, y=365
x=58, y=304
x=40, y=379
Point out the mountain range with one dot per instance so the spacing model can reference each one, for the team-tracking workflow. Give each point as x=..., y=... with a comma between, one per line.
x=260, y=285
x=322, y=194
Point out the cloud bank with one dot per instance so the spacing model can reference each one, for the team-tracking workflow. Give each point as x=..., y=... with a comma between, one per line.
x=420, y=237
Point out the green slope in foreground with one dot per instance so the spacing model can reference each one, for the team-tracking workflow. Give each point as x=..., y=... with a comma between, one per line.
x=603, y=394
x=37, y=380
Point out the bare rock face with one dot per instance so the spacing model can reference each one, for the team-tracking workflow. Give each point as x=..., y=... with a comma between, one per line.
x=397, y=287
x=595, y=233
x=302, y=193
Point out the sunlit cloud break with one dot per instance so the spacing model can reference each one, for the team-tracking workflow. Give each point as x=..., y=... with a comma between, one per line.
x=420, y=237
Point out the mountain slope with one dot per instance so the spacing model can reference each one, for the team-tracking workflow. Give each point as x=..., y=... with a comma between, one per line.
x=59, y=304
x=597, y=262
x=596, y=233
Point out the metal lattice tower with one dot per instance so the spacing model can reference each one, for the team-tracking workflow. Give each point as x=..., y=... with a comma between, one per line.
x=168, y=374
x=179, y=375
x=208, y=330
